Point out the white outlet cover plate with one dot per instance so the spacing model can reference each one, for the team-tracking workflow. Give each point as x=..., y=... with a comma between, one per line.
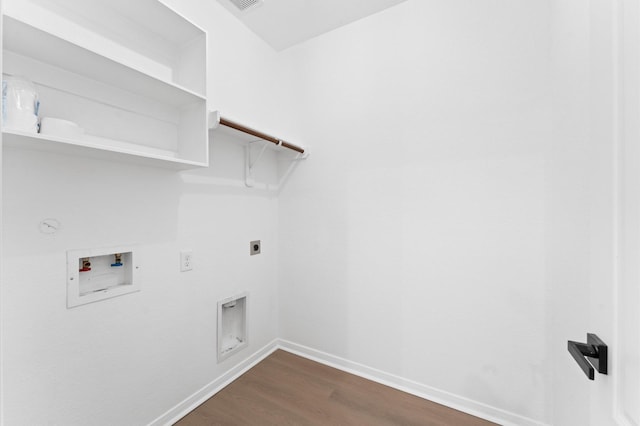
x=186, y=260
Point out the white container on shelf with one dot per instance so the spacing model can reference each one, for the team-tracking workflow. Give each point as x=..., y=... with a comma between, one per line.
x=20, y=104
x=58, y=127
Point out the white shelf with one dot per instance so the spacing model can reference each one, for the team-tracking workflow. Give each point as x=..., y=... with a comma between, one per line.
x=144, y=35
x=96, y=147
x=131, y=73
x=27, y=41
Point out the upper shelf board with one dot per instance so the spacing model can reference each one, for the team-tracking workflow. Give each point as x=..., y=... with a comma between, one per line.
x=25, y=40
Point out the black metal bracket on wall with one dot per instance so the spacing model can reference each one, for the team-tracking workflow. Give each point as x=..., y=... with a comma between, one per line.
x=590, y=355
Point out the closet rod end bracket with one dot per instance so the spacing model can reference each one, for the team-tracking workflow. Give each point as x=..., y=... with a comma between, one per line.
x=213, y=119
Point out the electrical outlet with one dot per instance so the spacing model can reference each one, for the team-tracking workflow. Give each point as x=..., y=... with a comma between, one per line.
x=186, y=260
x=254, y=247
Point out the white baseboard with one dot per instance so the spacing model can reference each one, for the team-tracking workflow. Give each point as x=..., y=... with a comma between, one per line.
x=456, y=402
x=448, y=399
x=189, y=404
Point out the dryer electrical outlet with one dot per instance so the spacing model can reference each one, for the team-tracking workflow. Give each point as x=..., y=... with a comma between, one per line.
x=98, y=274
x=254, y=247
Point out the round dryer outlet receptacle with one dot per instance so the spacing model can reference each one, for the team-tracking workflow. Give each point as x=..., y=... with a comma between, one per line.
x=254, y=247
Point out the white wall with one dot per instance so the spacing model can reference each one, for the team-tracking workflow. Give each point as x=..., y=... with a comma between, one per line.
x=127, y=360
x=454, y=225
x=414, y=240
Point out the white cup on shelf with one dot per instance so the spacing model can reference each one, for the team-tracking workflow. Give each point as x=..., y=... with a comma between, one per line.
x=59, y=127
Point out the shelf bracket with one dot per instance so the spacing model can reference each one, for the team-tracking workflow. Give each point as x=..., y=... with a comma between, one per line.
x=215, y=121
x=249, y=179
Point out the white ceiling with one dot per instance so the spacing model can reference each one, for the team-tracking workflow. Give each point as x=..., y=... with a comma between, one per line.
x=284, y=23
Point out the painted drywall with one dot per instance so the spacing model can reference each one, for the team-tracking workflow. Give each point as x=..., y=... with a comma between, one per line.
x=442, y=229
x=127, y=360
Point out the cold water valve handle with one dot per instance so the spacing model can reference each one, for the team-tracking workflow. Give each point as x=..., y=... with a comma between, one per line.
x=589, y=355
x=118, y=260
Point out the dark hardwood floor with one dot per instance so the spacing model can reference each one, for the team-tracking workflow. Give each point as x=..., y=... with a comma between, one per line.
x=285, y=389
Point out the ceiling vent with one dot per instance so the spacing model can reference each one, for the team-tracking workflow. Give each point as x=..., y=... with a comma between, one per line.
x=246, y=5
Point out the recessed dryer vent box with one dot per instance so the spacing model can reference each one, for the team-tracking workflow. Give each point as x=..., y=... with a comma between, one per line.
x=232, y=325
x=98, y=274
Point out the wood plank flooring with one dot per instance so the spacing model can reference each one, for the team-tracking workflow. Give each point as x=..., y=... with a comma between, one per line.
x=285, y=389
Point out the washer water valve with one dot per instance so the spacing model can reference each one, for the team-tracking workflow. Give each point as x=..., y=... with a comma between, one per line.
x=118, y=261
x=85, y=264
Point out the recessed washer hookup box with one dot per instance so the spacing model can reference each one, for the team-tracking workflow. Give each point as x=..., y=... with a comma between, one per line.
x=98, y=274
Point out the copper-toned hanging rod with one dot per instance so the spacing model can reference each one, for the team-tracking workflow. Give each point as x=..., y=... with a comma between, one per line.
x=263, y=136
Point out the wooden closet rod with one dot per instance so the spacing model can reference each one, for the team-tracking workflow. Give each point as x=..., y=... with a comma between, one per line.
x=260, y=135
